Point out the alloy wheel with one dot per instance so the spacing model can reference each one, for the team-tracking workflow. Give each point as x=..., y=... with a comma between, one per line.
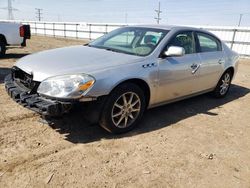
x=225, y=84
x=126, y=110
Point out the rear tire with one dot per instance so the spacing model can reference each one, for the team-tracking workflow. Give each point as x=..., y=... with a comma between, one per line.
x=123, y=108
x=223, y=85
x=2, y=48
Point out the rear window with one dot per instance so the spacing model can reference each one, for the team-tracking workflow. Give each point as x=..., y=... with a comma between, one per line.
x=208, y=43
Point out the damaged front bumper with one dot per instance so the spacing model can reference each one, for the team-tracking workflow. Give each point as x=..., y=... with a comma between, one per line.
x=33, y=101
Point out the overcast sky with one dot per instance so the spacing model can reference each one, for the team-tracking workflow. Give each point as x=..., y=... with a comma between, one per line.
x=189, y=12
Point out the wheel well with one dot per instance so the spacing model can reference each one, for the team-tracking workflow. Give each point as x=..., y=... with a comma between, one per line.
x=231, y=69
x=2, y=38
x=142, y=84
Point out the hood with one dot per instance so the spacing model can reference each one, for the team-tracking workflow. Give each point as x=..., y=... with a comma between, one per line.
x=71, y=60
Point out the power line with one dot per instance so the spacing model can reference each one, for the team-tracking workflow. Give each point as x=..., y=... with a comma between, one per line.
x=158, y=12
x=39, y=13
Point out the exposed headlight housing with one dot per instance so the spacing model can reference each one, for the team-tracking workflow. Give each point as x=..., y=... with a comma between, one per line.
x=66, y=86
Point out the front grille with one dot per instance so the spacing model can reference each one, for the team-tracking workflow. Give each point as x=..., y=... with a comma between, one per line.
x=24, y=80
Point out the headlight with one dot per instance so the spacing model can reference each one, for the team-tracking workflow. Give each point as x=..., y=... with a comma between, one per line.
x=66, y=86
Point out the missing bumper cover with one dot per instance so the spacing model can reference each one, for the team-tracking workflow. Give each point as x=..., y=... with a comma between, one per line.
x=34, y=102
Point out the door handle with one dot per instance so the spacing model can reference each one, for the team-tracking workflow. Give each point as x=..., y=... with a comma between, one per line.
x=195, y=67
x=221, y=61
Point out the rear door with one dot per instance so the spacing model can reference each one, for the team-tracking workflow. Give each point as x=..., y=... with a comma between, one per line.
x=212, y=60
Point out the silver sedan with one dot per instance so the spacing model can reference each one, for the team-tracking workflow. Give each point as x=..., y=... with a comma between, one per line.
x=121, y=74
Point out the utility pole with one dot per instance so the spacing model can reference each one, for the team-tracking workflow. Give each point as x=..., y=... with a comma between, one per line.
x=10, y=9
x=59, y=18
x=39, y=13
x=240, y=20
x=158, y=12
x=126, y=18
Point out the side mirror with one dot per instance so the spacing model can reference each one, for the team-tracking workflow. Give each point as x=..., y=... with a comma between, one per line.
x=174, y=51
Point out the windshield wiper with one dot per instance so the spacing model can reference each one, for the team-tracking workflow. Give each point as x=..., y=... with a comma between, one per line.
x=87, y=45
x=119, y=51
x=112, y=50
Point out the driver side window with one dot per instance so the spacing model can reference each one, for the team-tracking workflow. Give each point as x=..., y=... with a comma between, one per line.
x=184, y=40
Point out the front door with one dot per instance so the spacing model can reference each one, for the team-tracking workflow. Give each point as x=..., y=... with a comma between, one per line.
x=177, y=75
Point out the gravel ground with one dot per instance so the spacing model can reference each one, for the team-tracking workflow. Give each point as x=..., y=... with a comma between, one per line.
x=199, y=142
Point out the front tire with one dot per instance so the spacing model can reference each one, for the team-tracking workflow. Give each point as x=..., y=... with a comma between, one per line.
x=223, y=85
x=123, y=108
x=2, y=48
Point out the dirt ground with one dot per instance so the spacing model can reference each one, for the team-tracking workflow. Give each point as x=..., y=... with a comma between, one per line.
x=199, y=142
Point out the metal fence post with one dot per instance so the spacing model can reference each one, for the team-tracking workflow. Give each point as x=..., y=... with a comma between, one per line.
x=35, y=28
x=44, y=28
x=106, y=29
x=54, y=30
x=89, y=31
x=64, y=30
x=77, y=31
x=234, y=33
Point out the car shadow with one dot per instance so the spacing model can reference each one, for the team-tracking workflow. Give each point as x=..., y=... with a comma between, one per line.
x=14, y=56
x=77, y=130
x=3, y=72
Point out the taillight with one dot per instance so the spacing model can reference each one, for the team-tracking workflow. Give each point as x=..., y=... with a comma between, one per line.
x=22, y=32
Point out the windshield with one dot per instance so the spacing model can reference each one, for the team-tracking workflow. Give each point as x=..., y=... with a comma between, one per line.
x=131, y=40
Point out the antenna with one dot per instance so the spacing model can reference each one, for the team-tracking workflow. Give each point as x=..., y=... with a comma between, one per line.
x=158, y=18
x=39, y=13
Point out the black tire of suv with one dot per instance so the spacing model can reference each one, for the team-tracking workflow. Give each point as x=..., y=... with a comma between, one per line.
x=2, y=48
x=106, y=120
x=216, y=93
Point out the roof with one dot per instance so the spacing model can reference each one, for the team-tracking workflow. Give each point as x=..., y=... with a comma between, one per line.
x=174, y=27
x=167, y=27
